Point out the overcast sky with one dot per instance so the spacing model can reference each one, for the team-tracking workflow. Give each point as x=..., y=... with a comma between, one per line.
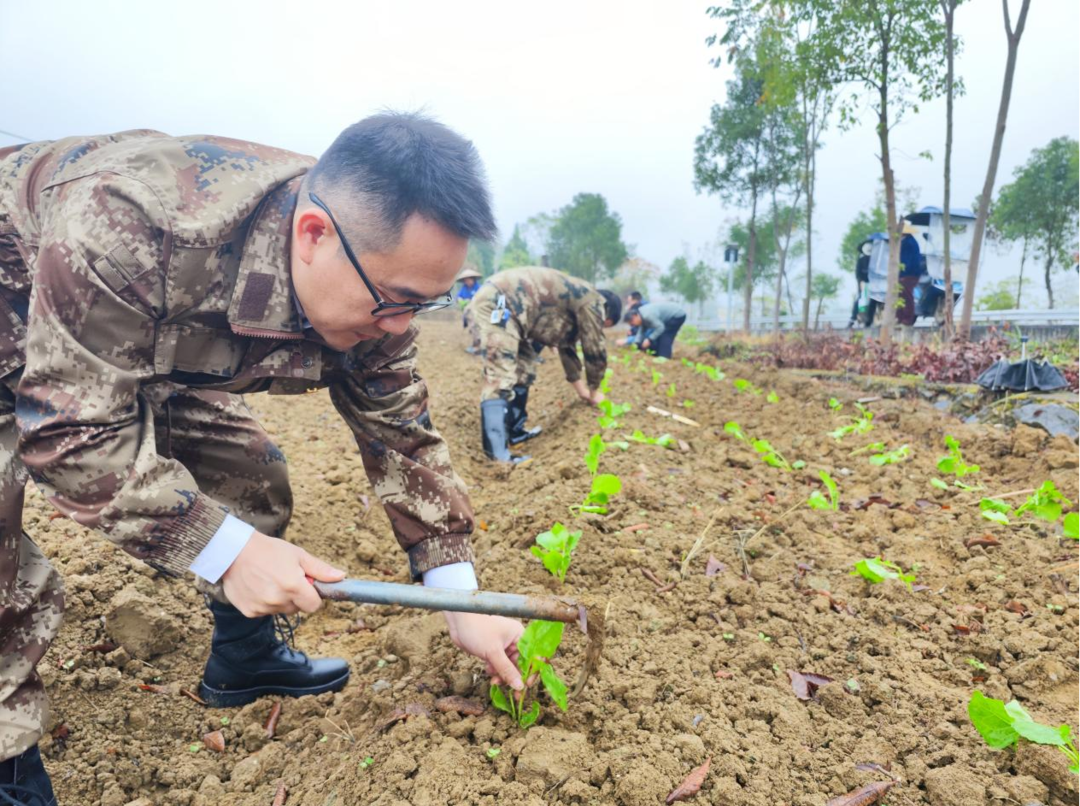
x=560, y=97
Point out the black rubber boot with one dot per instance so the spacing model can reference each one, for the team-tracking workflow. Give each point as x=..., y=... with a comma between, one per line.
x=518, y=415
x=248, y=660
x=24, y=781
x=493, y=419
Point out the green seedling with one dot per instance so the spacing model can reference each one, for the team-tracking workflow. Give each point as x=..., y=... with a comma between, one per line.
x=1071, y=525
x=996, y=510
x=604, y=486
x=877, y=447
x=671, y=391
x=891, y=457
x=1045, y=503
x=968, y=488
x=657, y=375
x=735, y=430
x=773, y=458
x=592, y=456
x=1002, y=725
x=975, y=663
x=367, y=762
x=605, y=385
x=712, y=372
x=817, y=499
x=862, y=424
x=194, y=747
x=688, y=404
x=954, y=463
x=664, y=440
x=554, y=548
x=773, y=397
x=878, y=570
x=610, y=413
x=536, y=647
x=686, y=362
x=493, y=753
x=835, y=404
x=939, y=484
x=743, y=385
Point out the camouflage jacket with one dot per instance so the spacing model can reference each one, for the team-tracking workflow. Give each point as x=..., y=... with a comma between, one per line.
x=136, y=259
x=558, y=310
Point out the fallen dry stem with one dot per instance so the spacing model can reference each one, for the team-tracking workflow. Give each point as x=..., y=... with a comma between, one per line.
x=741, y=543
x=699, y=544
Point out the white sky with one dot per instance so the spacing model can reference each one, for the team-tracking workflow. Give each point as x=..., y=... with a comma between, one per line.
x=560, y=97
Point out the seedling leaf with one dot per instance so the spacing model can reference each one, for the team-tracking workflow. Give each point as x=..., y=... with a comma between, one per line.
x=555, y=687
x=996, y=517
x=735, y=430
x=835, y=404
x=529, y=718
x=954, y=462
x=878, y=570
x=1030, y=729
x=498, y=699
x=939, y=484
x=592, y=457
x=818, y=501
x=1071, y=525
x=991, y=720
x=540, y=639
x=891, y=457
x=773, y=397
x=1045, y=503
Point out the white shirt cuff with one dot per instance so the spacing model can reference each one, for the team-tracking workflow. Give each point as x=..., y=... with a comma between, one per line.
x=223, y=548
x=455, y=576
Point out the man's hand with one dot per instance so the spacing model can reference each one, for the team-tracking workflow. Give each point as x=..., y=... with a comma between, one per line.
x=596, y=398
x=493, y=639
x=646, y=344
x=270, y=576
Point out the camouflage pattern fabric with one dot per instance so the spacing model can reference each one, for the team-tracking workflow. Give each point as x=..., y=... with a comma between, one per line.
x=144, y=281
x=546, y=306
x=31, y=600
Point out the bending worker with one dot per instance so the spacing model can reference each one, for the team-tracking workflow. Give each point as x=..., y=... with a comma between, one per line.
x=145, y=282
x=657, y=325
x=519, y=307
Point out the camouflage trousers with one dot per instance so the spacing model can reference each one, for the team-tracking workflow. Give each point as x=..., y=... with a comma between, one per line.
x=214, y=435
x=508, y=355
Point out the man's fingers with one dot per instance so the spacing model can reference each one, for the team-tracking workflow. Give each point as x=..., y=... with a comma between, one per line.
x=506, y=670
x=320, y=570
x=307, y=598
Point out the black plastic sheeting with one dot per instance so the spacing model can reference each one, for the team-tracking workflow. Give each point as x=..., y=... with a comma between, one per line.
x=1022, y=376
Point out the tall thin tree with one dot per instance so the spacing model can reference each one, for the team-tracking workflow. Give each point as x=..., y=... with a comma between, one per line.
x=1013, y=37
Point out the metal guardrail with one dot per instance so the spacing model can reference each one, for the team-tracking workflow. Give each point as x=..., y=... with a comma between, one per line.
x=1017, y=316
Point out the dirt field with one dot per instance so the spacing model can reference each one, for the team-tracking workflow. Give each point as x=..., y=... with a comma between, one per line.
x=696, y=672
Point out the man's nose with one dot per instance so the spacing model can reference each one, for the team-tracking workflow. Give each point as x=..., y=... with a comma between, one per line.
x=395, y=325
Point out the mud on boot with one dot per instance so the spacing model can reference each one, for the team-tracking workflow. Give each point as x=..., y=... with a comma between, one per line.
x=251, y=658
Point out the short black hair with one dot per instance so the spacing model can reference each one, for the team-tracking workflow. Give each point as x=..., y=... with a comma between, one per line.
x=630, y=312
x=612, y=304
x=635, y=296
x=388, y=166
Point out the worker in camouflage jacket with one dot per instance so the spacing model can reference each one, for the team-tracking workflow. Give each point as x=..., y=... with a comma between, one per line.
x=146, y=282
x=533, y=305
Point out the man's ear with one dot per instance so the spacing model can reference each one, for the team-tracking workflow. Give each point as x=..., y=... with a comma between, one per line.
x=309, y=228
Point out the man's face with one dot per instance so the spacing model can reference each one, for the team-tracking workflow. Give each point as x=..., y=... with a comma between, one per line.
x=469, y=282
x=421, y=267
x=635, y=320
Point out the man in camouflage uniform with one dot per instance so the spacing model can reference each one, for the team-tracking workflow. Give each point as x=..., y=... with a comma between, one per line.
x=145, y=282
x=519, y=307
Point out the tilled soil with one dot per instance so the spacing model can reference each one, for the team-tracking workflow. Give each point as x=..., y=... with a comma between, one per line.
x=698, y=671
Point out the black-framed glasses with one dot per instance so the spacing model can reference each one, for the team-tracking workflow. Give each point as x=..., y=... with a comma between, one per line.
x=382, y=308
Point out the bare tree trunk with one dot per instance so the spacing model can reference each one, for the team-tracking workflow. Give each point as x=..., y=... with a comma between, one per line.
x=949, y=7
x=895, y=229
x=810, y=167
x=1020, y=285
x=1049, y=287
x=787, y=290
x=1013, y=38
x=817, y=316
x=751, y=254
